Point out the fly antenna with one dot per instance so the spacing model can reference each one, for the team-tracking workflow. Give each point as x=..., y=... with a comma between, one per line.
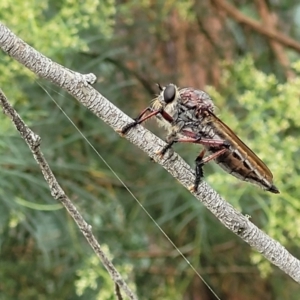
x=159, y=86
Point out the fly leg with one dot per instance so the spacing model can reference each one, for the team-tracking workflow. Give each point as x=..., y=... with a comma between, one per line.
x=205, y=142
x=142, y=117
x=198, y=170
x=172, y=139
x=200, y=162
x=138, y=120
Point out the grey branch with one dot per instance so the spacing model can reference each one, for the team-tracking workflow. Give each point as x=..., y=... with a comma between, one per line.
x=33, y=141
x=77, y=85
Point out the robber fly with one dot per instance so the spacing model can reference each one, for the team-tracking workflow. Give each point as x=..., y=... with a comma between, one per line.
x=188, y=116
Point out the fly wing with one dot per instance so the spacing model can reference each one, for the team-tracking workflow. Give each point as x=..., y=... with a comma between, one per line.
x=237, y=143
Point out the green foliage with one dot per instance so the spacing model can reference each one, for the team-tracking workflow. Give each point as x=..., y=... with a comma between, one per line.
x=55, y=28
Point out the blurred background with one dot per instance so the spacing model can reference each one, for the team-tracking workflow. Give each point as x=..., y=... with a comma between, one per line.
x=245, y=54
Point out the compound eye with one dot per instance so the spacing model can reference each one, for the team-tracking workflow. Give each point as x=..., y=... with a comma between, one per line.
x=169, y=93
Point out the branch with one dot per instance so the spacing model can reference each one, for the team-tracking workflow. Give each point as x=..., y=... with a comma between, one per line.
x=77, y=85
x=269, y=22
x=257, y=26
x=33, y=142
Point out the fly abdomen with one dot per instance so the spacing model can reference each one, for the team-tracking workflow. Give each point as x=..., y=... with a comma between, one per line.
x=243, y=165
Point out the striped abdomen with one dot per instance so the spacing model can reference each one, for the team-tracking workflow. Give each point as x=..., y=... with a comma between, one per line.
x=239, y=160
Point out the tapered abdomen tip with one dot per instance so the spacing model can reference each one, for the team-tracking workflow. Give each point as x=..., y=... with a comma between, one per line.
x=274, y=189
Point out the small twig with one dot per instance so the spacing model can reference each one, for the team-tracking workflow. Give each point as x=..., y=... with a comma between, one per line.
x=257, y=26
x=33, y=141
x=270, y=21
